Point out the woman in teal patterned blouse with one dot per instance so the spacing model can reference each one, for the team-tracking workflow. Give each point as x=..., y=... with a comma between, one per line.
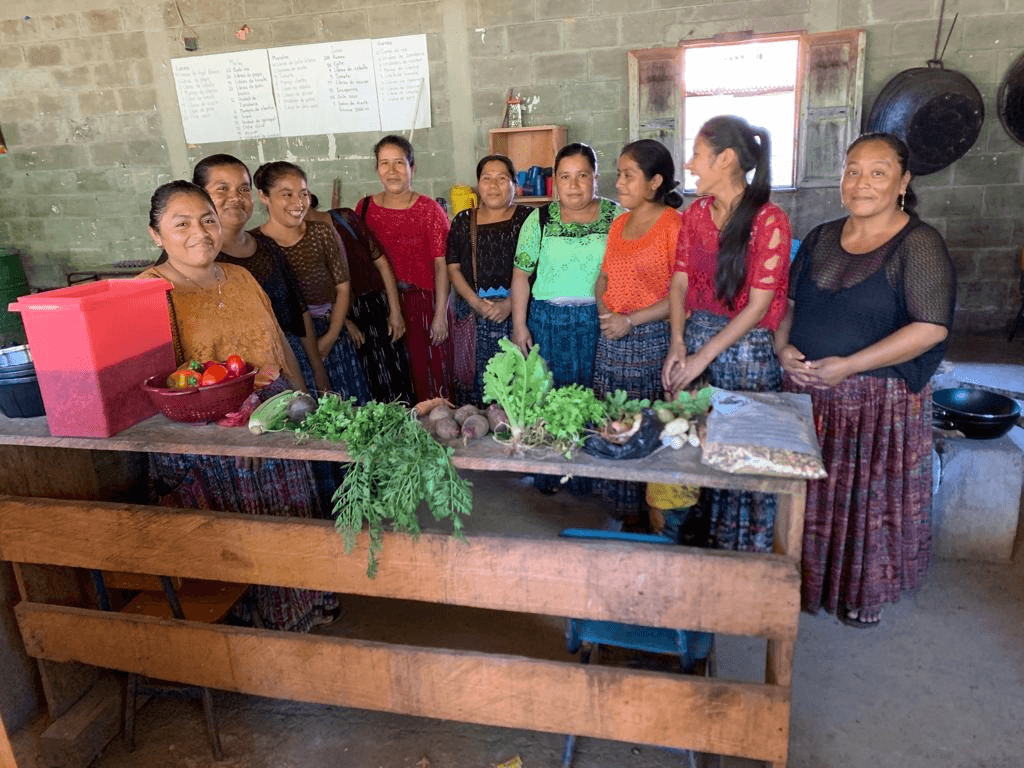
x=563, y=245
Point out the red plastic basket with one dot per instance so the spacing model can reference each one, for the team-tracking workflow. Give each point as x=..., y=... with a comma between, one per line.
x=200, y=404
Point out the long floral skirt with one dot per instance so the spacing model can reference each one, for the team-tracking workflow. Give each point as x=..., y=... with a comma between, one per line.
x=632, y=363
x=282, y=488
x=867, y=529
x=738, y=520
x=343, y=368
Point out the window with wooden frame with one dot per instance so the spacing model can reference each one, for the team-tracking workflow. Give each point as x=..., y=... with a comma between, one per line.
x=806, y=89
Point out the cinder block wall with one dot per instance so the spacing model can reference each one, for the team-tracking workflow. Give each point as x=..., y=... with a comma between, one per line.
x=88, y=108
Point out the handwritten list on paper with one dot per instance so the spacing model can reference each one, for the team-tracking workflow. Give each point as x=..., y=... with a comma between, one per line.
x=225, y=97
x=325, y=88
x=403, y=82
x=336, y=87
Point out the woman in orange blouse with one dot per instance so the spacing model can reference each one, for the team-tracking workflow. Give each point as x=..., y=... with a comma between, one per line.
x=632, y=293
x=632, y=287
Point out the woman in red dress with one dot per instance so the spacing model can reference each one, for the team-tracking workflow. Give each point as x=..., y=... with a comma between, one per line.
x=414, y=230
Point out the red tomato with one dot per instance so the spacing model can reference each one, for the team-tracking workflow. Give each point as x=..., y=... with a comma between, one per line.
x=235, y=365
x=213, y=374
x=208, y=363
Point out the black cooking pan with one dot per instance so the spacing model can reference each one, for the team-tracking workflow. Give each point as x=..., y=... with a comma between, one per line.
x=1010, y=100
x=978, y=414
x=936, y=111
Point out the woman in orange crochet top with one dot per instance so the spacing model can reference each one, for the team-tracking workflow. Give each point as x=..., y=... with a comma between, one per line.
x=632, y=291
x=728, y=297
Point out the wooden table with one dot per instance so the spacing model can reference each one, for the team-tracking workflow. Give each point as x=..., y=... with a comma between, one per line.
x=735, y=593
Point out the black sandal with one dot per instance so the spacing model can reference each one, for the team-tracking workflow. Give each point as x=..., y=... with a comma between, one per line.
x=851, y=618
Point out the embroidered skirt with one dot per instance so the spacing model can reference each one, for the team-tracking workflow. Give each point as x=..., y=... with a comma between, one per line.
x=867, y=530
x=738, y=520
x=487, y=335
x=282, y=488
x=384, y=362
x=431, y=366
x=567, y=335
x=632, y=363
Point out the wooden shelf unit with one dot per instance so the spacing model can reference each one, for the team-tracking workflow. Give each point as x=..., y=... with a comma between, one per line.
x=532, y=145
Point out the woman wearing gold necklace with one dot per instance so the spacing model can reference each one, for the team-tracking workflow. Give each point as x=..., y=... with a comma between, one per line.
x=218, y=310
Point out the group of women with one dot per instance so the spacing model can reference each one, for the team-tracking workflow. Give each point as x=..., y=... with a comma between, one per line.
x=630, y=295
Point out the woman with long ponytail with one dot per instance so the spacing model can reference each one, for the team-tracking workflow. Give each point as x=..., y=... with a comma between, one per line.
x=728, y=297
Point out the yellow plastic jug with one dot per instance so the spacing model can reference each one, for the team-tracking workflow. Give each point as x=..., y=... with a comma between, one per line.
x=463, y=197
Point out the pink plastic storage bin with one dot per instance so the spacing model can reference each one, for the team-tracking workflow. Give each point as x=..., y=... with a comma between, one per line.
x=93, y=346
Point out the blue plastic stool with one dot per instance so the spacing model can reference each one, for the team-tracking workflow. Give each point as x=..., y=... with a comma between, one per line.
x=586, y=635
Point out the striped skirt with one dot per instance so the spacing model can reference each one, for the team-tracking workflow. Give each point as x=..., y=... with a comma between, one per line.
x=567, y=336
x=867, y=530
x=738, y=520
x=632, y=363
x=384, y=361
x=281, y=488
x=487, y=335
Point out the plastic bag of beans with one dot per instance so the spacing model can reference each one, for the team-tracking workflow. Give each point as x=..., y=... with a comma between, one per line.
x=762, y=433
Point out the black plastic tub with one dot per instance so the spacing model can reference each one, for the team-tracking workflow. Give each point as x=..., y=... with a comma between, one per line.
x=20, y=398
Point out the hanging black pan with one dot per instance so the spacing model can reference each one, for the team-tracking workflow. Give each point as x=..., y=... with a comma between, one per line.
x=937, y=112
x=1010, y=100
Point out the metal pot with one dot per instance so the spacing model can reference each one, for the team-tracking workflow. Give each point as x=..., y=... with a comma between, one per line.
x=937, y=112
x=979, y=415
x=1010, y=100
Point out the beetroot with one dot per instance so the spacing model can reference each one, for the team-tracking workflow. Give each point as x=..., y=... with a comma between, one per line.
x=446, y=429
x=497, y=417
x=475, y=426
x=465, y=412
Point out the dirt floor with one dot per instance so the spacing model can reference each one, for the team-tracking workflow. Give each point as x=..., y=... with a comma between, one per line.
x=937, y=685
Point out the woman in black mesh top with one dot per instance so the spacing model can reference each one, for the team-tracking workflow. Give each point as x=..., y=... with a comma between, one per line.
x=871, y=303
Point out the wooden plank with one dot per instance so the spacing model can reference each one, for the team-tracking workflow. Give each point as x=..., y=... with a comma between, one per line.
x=160, y=435
x=603, y=702
x=789, y=523
x=75, y=739
x=6, y=750
x=779, y=662
x=63, y=684
x=678, y=587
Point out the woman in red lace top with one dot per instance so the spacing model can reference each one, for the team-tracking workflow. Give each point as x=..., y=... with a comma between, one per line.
x=728, y=296
x=413, y=230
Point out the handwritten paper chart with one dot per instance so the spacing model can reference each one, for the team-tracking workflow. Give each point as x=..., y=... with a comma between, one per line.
x=226, y=96
x=403, y=82
x=337, y=87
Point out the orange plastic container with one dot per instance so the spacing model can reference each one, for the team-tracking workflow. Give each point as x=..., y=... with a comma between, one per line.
x=93, y=346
